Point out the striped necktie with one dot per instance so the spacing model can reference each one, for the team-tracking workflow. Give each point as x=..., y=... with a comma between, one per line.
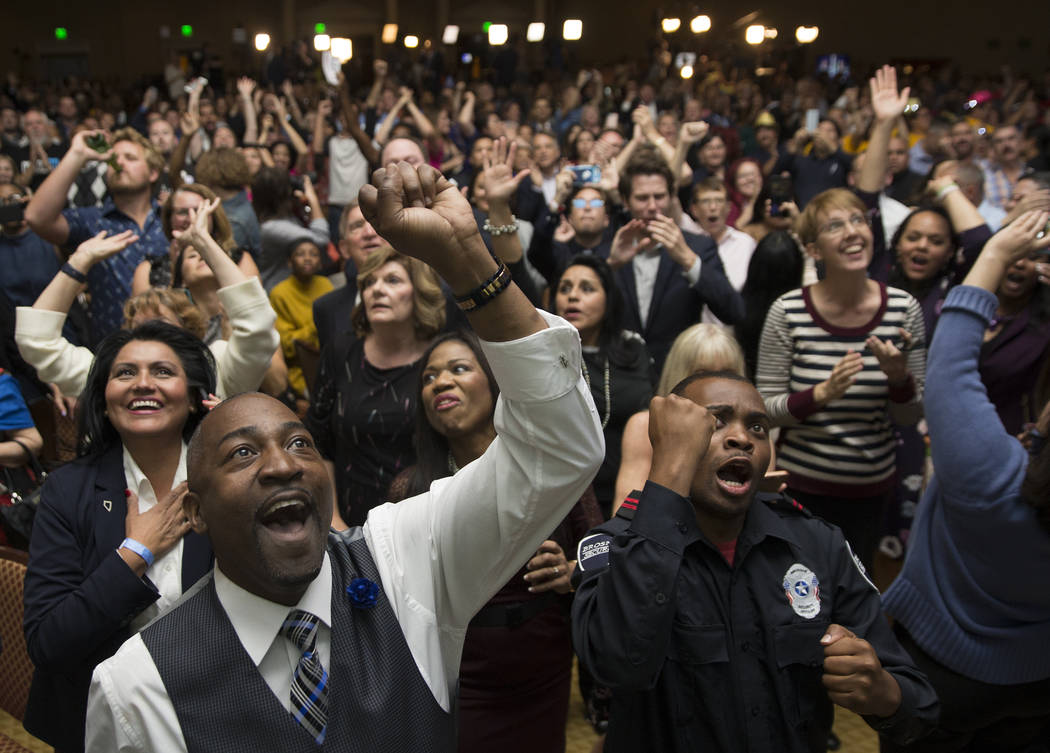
x=310, y=682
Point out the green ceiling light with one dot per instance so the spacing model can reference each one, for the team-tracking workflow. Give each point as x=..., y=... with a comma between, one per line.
x=187, y=30
x=485, y=26
x=61, y=32
x=320, y=28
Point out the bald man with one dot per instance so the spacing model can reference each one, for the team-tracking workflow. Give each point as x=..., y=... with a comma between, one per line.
x=302, y=635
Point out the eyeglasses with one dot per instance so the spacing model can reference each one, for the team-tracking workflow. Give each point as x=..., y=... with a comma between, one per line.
x=838, y=227
x=592, y=203
x=15, y=198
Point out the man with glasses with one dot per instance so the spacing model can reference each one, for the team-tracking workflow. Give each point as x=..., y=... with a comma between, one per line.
x=710, y=208
x=586, y=213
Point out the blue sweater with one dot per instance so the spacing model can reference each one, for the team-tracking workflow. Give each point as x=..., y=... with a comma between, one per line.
x=975, y=589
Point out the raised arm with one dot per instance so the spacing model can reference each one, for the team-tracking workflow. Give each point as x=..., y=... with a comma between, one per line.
x=888, y=104
x=245, y=88
x=242, y=364
x=292, y=103
x=353, y=125
x=324, y=109
x=466, y=115
x=383, y=134
x=289, y=130
x=379, y=67
x=485, y=521
x=189, y=124
x=644, y=557
x=688, y=134
x=957, y=404
x=38, y=331
x=426, y=128
x=44, y=211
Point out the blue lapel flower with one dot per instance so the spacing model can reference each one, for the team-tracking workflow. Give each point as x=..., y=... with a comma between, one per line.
x=363, y=593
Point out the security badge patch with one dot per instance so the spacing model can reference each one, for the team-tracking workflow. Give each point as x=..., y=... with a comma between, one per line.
x=803, y=591
x=593, y=552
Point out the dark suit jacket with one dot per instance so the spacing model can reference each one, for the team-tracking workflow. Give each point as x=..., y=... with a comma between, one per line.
x=676, y=304
x=332, y=310
x=80, y=596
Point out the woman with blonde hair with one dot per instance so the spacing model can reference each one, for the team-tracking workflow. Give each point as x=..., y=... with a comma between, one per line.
x=702, y=347
x=363, y=404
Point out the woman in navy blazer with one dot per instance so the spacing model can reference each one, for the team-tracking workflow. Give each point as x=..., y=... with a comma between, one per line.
x=92, y=580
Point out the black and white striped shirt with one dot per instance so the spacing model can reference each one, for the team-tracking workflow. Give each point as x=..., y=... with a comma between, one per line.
x=847, y=447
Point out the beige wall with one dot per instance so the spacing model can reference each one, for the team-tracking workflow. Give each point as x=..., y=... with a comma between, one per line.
x=121, y=37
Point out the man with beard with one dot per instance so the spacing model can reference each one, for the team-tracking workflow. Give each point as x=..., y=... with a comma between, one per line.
x=1005, y=166
x=136, y=165
x=666, y=275
x=964, y=141
x=718, y=619
x=353, y=640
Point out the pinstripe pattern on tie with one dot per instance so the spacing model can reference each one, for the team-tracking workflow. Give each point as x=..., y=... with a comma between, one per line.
x=310, y=682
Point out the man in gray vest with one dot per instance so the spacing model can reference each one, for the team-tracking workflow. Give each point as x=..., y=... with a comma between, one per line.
x=304, y=639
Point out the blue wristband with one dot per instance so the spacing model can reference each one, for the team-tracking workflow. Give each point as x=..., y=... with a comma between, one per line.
x=139, y=549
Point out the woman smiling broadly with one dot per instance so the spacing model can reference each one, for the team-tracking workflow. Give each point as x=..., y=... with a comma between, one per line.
x=616, y=364
x=364, y=398
x=111, y=547
x=517, y=659
x=837, y=360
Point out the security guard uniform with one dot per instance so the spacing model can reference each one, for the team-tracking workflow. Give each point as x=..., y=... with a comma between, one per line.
x=704, y=655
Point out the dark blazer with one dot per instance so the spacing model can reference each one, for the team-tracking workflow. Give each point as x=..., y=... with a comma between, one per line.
x=80, y=596
x=676, y=304
x=332, y=310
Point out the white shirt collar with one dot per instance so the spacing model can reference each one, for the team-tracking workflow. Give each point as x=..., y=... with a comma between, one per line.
x=257, y=621
x=138, y=483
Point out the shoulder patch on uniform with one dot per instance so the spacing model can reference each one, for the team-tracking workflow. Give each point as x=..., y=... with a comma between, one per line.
x=785, y=504
x=860, y=567
x=592, y=553
x=629, y=506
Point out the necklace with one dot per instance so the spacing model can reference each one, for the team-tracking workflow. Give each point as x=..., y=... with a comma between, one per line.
x=452, y=467
x=608, y=397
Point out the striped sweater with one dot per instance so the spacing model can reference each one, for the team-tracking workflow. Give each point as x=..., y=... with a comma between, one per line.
x=847, y=447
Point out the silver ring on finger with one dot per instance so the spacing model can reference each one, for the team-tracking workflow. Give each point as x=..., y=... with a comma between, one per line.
x=556, y=571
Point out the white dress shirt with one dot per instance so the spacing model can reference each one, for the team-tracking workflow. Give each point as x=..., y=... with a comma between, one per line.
x=734, y=249
x=166, y=570
x=440, y=555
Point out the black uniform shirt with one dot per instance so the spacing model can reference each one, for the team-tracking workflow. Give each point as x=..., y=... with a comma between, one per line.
x=705, y=656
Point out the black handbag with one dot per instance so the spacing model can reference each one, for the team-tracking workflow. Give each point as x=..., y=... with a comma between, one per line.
x=19, y=499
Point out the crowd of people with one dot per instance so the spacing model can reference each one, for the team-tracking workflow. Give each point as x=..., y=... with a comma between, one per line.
x=261, y=340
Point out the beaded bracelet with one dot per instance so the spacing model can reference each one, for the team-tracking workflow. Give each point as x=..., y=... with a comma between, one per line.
x=486, y=291
x=507, y=229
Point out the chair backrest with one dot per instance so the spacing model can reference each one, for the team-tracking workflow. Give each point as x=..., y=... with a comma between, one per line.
x=309, y=358
x=16, y=671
